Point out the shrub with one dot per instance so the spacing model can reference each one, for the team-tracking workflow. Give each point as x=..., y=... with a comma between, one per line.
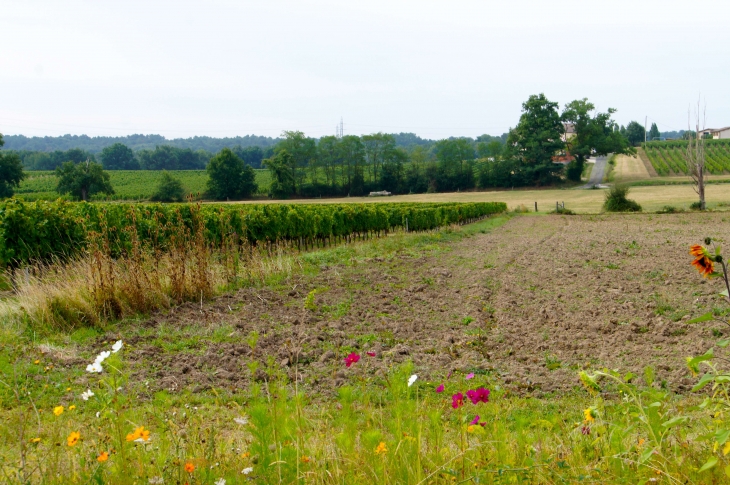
x=563, y=210
x=695, y=206
x=669, y=209
x=169, y=189
x=616, y=200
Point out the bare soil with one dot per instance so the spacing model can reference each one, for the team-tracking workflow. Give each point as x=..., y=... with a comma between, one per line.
x=528, y=304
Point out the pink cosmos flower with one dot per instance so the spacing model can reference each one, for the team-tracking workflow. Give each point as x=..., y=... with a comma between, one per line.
x=470, y=376
x=457, y=400
x=371, y=354
x=478, y=395
x=440, y=388
x=351, y=359
x=475, y=420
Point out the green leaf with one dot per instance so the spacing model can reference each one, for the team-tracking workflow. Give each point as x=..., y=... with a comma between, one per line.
x=704, y=380
x=646, y=455
x=675, y=421
x=629, y=377
x=721, y=436
x=710, y=463
x=723, y=343
x=724, y=293
x=704, y=318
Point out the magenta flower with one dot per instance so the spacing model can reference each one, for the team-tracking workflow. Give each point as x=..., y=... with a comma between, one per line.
x=478, y=395
x=440, y=388
x=371, y=354
x=475, y=420
x=457, y=400
x=351, y=359
x=586, y=430
x=470, y=376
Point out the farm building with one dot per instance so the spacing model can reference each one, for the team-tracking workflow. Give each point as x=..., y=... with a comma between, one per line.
x=569, y=132
x=717, y=134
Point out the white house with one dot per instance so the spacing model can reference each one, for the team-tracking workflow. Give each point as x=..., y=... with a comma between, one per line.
x=718, y=134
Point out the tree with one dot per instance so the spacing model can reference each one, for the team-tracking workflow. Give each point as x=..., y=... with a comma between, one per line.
x=303, y=152
x=696, y=158
x=169, y=189
x=654, y=132
x=82, y=180
x=119, y=157
x=536, y=139
x=229, y=177
x=11, y=171
x=456, y=163
x=593, y=135
x=281, y=166
x=635, y=133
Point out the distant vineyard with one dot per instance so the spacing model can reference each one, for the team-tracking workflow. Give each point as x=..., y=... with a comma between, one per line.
x=45, y=231
x=128, y=184
x=669, y=157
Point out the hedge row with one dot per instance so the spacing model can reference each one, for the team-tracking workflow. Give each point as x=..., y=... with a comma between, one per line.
x=44, y=231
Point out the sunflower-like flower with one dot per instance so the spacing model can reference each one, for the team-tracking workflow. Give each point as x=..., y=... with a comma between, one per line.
x=696, y=250
x=704, y=265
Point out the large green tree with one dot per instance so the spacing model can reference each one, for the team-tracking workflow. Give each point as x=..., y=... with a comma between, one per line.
x=170, y=189
x=229, y=177
x=456, y=163
x=303, y=155
x=635, y=133
x=119, y=157
x=11, y=171
x=654, y=132
x=594, y=134
x=82, y=180
x=536, y=139
x=281, y=165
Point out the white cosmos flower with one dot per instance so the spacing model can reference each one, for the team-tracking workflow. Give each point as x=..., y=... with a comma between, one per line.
x=412, y=379
x=156, y=481
x=246, y=471
x=117, y=346
x=86, y=394
x=243, y=421
x=221, y=481
x=102, y=356
x=95, y=367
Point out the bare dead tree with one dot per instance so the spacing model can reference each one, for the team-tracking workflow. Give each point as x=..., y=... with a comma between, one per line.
x=696, y=155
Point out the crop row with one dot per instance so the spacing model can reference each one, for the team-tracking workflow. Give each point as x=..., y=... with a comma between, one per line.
x=671, y=159
x=44, y=231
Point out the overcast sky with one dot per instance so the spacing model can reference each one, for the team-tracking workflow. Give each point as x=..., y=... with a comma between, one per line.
x=438, y=69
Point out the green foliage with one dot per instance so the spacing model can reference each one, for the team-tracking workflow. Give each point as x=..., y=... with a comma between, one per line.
x=229, y=177
x=635, y=133
x=11, y=172
x=283, y=182
x=47, y=230
x=537, y=138
x=670, y=157
x=617, y=201
x=119, y=157
x=169, y=189
x=82, y=180
x=654, y=132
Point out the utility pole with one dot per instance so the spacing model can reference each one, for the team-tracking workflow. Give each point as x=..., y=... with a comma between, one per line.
x=645, y=118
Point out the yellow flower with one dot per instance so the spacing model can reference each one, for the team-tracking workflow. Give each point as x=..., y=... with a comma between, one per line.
x=35, y=440
x=68, y=389
x=139, y=433
x=36, y=361
x=245, y=454
x=189, y=467
x=305, y=459
x=381, y=448
x=726, y=448
x=58, y=410
x=72, y=407
x=641, y=442
x=73, y=438
x=470, y=428
x=103, y=457
x=589, y=415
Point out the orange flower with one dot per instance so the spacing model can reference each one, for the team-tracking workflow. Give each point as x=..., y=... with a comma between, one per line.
x=139, y=434
x=697, y=250
x=103, y=457
x=704, y=265
x=73, y=438
x=305, y=459
x=189, y=467
x=381, y=448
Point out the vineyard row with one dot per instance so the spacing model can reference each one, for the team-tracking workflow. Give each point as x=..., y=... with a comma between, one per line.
x=669, y=158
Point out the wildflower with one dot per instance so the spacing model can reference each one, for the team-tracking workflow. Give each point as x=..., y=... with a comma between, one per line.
x=242, y=420
x=381, y=449
x=117, y=346
x=586, y=430
x=246, y=471
x=412, y=379
x=35, y=440
x=371, y=354
x=245, y=454
x=457, y=400
x=641, y=442
x=156, y=481
x=68, y=389
x=440, y=388
x=102, y=356
x=103, y=457
x=704, y=265
x=221, y=481
x=726, y=448
x=58, y=410
x=351, y=359
x=478, y=395
x=140, y=434
x=475, y=420
x=189, y=467
x=589, y=415
x=37, y=361
x=469, y=376
x=305, y=459
x=95, y=368
x=86, y=394
x=73, y=438
x=72, y=407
